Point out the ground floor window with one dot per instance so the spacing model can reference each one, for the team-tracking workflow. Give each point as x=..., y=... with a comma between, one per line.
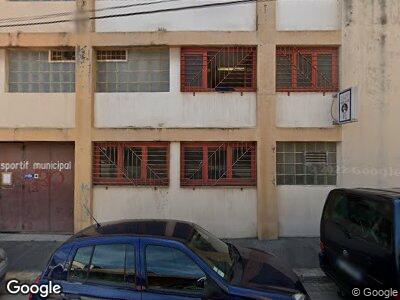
x=218, y=163
x=306, y=163
x=131, y=163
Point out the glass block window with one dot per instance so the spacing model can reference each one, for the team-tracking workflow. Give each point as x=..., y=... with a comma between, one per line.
x=33, y=72
x=140, y=70
x=306, y=163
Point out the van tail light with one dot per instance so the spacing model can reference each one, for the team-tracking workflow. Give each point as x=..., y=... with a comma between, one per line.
x=322, y=246
x=37, y=280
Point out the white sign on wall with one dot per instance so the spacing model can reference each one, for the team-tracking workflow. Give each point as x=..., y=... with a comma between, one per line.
x=347, y=105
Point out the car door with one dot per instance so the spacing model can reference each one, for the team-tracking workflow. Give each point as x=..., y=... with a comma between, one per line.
x=105, y=269
x=169, y=272
x=334, y=233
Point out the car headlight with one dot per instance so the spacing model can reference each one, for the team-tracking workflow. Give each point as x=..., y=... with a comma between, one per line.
x=299, y=296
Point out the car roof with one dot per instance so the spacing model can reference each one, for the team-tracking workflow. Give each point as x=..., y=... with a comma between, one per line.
x=389, y=194
x=166, y=229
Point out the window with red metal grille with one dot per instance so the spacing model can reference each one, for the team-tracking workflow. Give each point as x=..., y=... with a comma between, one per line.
x=219, y=69
x=131, y=163
x=306, y=69
x=216, y=163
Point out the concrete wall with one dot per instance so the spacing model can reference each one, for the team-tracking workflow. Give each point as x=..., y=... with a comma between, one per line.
x=296, y=15
x=300, y=209
x=304, y=110
x=175, y=109
x=240, y=17
x=29, y=9
x=43, y=110
x=370, y=60
x=227, y=212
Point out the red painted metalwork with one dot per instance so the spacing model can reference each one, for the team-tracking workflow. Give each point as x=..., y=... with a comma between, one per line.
x=131, y=163
x=219, y=69
x=44, y=202
x=293, y=54
x=225, y=169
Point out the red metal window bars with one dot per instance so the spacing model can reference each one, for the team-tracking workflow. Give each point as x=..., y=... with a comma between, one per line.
x=224, y=69
x=131, y=163
x=306, y=69
x=216, y=163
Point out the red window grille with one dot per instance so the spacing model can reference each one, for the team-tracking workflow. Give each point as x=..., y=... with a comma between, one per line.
x=223, y=69
x=131, y=163
x=216, y=163
x=307, y=69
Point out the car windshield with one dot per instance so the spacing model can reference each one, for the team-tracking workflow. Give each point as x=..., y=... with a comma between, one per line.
x=217, y=254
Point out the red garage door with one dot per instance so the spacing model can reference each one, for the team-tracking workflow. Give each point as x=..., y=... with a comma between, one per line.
x=37, y=187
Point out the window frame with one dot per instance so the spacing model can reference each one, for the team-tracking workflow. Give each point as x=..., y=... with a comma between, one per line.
x=204, y=83
x=229, y=180
x=314, y=52
x=120, y=179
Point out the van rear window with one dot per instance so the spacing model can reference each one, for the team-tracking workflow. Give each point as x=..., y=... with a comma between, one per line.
x=365, y=219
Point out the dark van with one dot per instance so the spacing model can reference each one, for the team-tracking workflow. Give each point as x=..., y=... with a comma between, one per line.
x=360, y=238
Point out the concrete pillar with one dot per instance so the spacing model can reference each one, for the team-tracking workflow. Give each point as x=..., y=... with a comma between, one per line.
x=84, y=119
x=266, y=132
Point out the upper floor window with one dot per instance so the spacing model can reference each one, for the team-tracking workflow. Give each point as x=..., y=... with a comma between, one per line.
x=219, y=69
x=306, y=69
x=41, y=71
x=120, y=163
x=133, y=70
x=226, y=163
x=306, y=163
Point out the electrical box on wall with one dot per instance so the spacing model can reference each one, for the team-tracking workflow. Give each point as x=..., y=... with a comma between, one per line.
x=347, y=105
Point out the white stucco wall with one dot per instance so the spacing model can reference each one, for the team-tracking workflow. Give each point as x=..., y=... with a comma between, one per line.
x=300, y=209
x=39, y=110
x=295, y=15
x=175, y=109
x=304, y=110
x=240, y=17
x=370, y=61
x=29, y=9
x=224, y=211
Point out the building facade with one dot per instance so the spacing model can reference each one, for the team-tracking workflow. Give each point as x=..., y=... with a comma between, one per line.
x=218, y=114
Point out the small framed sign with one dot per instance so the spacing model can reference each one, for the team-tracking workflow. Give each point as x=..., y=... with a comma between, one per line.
x=6, y=179
x=347, y=105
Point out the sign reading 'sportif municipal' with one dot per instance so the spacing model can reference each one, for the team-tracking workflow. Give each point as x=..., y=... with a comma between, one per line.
x=347, y=105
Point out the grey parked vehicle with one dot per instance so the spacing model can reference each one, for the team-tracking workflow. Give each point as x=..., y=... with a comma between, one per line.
x=3, y=264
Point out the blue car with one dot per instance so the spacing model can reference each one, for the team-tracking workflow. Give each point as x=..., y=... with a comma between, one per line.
x=164, y=259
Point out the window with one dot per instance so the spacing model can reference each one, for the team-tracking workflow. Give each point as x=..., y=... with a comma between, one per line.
x=112, y=264
x=172, y=270
x=61, y=55
x=306, y=69
x=37, y=72
x=225, y=163
x=367, y=220
x=120, y=163
x=134, y=70
x=219, y=69
x=112, y=55
x=306, y=163
x=80, y=264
